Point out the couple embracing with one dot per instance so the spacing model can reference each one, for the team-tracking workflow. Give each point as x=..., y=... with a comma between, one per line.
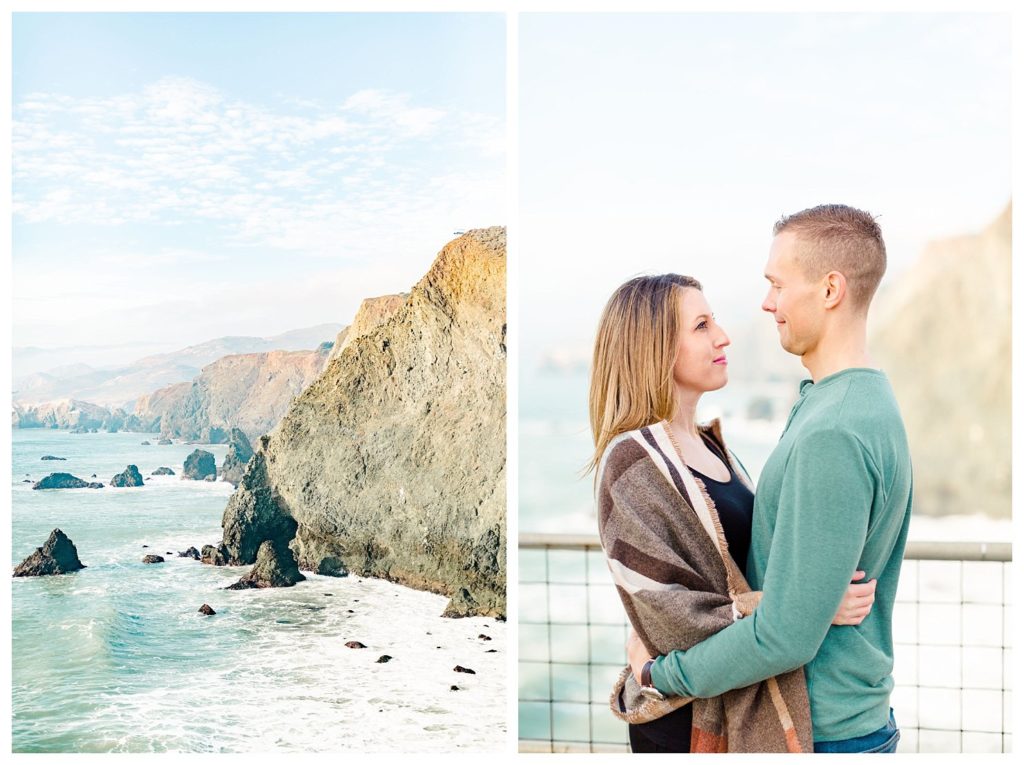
x=762, y=621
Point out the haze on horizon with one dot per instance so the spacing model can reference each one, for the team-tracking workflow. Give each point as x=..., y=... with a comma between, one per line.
x=182, y=177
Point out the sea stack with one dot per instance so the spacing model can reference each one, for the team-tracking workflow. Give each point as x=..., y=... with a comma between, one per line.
x=238, y=456
x=57, y=556
x=130, y=477
x=392, y=463
x=199, y=465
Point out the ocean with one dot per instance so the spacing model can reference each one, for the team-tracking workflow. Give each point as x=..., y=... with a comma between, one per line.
x=116, y=657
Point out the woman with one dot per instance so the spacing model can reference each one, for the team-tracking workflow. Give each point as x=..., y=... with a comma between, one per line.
x=675, y=512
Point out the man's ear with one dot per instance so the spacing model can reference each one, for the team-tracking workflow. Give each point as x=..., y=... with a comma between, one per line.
x=835, y=289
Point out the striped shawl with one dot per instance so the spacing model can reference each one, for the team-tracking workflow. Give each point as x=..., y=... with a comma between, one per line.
x=672, y=568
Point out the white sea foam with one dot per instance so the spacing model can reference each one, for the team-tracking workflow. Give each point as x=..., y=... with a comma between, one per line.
x=135, y=666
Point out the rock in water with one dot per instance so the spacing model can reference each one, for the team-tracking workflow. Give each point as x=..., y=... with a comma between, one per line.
x=392, y=463
x=164, y=442
x=153, y=559
x=214, y=556
x=238, y=456
x=65, y=481
x=466, y=670
x=205, y=609
x=275, y=567
x=57, y=556
x=162, y=471
x=199, y=465
x=191, y=553
x=130, y=477
x=252, y=516
x=384, y=659
x=354, y=644
x=51, y=457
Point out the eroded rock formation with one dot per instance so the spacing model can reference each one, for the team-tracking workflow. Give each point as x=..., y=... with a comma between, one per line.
x=392, y=463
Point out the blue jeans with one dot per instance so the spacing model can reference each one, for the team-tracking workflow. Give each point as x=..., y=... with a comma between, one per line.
x=882, y=741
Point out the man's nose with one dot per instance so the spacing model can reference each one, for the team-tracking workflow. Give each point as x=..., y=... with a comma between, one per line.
x=768, y=304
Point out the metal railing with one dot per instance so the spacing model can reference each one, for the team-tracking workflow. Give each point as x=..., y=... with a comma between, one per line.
x=951, y=628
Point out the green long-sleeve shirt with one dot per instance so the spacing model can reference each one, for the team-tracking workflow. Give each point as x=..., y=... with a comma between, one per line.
x=833, y=497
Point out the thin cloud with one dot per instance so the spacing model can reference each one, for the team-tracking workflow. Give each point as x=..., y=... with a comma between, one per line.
x=297, y=175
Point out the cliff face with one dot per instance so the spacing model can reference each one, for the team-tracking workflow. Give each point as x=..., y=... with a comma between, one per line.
x=371, y=314
x=942, y=335
x=392, y=463
x=150, y=409
x=248, y=391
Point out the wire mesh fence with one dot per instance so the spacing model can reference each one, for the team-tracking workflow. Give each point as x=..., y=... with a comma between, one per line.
x=951, y=629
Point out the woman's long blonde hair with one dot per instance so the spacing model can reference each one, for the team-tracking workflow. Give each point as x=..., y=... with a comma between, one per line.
x=631, y=382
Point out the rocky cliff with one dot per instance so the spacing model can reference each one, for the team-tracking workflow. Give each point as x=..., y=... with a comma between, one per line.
x=392, y=463
x=371, y=314
x=942, y=335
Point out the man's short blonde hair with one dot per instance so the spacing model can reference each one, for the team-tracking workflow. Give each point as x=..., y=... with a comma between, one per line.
x=839, y=238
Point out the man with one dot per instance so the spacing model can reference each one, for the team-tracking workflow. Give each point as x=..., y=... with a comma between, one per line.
x=834, y=497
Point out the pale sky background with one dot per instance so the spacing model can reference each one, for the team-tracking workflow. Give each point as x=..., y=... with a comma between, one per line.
x=179, y=177
x=652, y=143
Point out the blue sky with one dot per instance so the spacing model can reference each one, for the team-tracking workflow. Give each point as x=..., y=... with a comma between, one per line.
x=653, y=143
x=183, y=176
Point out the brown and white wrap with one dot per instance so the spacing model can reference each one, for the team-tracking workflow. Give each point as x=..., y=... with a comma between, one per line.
x=671, y=565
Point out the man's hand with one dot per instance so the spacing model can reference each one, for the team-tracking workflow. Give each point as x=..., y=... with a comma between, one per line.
x=857, y=602
x=638, y=655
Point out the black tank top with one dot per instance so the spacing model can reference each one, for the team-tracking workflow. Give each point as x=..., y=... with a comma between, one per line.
x=734, y=503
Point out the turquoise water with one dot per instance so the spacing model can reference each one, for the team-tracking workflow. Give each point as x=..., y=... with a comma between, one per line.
x=116, y=657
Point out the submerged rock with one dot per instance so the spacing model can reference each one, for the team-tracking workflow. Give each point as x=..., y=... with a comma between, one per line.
x=153, y=559
x=191, y=553
x=146, y=443
x=51, y=457
x=275, y=567
x=129, y=477
x=57, y=556
x=162, y=471
x=238, y=456
x=383, y=659
x=205, y=609
x=354, y=644
x=198, y=465
x=164, y=442
x=65, y=481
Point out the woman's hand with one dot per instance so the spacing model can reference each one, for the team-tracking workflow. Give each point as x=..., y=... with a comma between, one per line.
x=857, y=602
x=638, y=655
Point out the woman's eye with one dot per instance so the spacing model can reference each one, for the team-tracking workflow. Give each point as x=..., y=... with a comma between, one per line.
x=702, y=325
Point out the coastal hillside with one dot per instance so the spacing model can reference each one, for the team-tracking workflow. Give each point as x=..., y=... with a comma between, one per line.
x=121, y=385
x=942, y=335
x=247, y=391
x=392, y=463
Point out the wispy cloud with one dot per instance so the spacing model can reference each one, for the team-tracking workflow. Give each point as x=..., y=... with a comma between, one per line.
x=297, y=175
